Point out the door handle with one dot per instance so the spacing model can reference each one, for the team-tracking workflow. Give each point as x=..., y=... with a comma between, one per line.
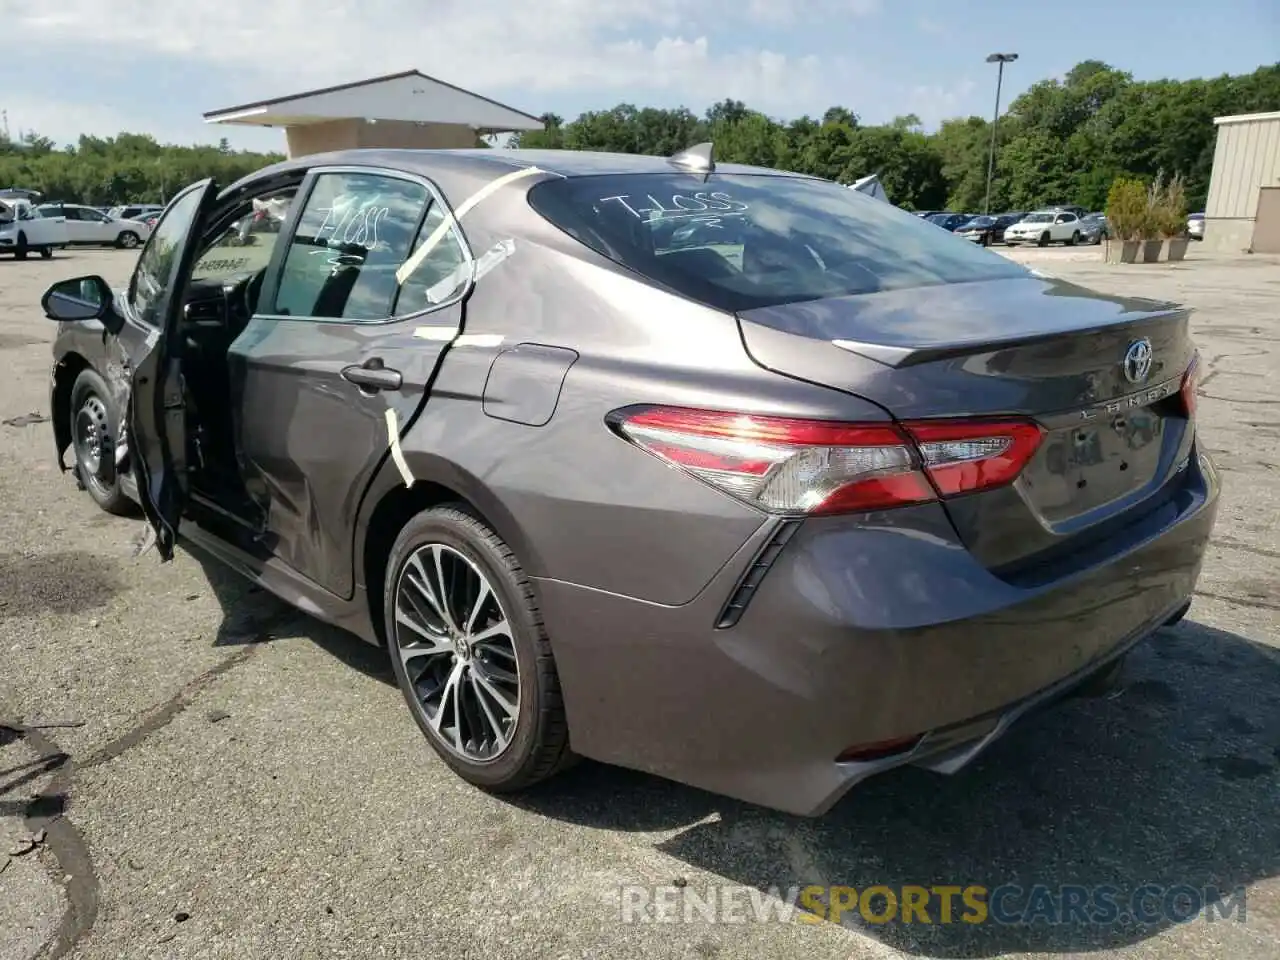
x=372, y=375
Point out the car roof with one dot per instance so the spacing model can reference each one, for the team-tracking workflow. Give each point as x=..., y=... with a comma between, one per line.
x=564, y=163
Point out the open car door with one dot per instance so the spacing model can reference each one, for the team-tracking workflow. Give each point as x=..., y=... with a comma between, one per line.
x=156, y=414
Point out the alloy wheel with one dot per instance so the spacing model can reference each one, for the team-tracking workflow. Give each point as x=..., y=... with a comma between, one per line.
x=454, y=640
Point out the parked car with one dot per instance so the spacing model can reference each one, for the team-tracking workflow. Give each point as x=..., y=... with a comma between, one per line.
x=949, y=221
x=767, y=517
x=87, y=226
x=1094, y=228
x=1045, y=227
x=134, y=211
x=23, y=230
x=1195, y=226
x=986, y=230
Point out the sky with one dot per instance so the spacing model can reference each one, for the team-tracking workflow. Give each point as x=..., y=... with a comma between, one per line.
x=154, y=66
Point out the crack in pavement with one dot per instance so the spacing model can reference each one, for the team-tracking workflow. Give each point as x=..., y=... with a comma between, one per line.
x=61, y=837
x=1239, y=601
x=1246, y=547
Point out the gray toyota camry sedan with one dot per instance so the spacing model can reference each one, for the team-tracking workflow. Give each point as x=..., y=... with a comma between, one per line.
x=728, y=474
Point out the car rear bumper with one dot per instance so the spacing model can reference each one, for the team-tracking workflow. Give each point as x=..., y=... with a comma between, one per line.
x=857, y=634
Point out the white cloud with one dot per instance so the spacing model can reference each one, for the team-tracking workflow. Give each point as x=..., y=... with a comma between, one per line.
x=935, y=103
x=281, y=46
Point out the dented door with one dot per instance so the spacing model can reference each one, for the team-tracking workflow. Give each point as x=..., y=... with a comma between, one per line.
x=331, y=375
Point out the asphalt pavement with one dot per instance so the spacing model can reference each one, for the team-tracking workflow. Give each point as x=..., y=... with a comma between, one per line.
x=188, y=768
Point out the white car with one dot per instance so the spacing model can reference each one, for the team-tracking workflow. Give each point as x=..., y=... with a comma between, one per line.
x=85, y=225
x=1195, y=226
x=1045, y=227
x=23, y=230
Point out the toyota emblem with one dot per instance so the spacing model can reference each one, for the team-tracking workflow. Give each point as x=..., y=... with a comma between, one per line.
x=1137, y=361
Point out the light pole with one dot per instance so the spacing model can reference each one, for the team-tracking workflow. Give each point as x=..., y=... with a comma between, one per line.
x=1001, y=59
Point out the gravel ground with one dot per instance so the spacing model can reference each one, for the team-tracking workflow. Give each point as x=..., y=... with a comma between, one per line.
x=243, y=782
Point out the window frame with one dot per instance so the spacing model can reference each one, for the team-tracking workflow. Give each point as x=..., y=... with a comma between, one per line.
x=435, y=196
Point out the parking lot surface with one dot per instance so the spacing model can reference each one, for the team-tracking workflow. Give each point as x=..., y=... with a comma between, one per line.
x=191, y=769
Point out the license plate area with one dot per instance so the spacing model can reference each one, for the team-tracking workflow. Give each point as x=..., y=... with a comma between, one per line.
x=1093, y=463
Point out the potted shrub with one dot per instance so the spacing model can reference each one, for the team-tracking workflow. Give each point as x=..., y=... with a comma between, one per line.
x=1127, y=220
x=1171, y=216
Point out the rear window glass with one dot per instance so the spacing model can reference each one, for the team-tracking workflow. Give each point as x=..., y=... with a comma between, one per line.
x=742, y=241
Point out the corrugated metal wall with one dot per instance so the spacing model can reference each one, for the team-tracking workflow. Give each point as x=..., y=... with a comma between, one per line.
x=1246, y=158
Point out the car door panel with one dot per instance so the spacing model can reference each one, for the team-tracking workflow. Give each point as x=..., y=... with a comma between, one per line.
x=156, y=414
x=321, y=400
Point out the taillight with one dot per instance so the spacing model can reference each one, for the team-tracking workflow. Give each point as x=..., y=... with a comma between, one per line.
x=962, y=457
x=1190, y=380
x=786, y=465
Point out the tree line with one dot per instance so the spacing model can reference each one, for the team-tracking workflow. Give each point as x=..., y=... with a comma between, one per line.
x=1062, y=141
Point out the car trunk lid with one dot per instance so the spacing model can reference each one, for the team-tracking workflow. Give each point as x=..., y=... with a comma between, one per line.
x=1100, y=374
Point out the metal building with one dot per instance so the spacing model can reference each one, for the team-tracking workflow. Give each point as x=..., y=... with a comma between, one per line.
x=402, y=110
x=1243, y=209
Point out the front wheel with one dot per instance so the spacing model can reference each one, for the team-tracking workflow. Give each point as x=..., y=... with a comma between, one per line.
x=128, y=240
x=20, y=251
x=46, y=253
x=1075, y=238
x=95, y=427
x=1043, y=241
x=470, y=652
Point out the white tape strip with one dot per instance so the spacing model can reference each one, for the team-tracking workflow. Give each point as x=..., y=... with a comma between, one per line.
x=397, y=453
x=436, y=333
x=424, y=251
x=478, y=340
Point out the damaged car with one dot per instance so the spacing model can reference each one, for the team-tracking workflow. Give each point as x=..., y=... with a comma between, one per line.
x=735, y=476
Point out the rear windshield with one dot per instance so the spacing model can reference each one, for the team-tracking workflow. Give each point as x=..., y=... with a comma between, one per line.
x=742, y=241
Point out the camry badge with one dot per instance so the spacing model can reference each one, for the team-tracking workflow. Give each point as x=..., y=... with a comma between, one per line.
x=1137, y=361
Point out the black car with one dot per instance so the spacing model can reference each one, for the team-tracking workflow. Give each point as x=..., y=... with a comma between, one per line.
x=987, y=230
x=949, y=221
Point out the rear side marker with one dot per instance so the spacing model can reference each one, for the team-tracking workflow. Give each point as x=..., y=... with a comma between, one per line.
x=818, y=467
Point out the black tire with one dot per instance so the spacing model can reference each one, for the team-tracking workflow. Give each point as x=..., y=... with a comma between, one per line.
x=46, y=253
x=20, y=251
x=128, y=240
x=539, y=745
x=91, y=405
x=1075, y=238
x=1043, y=241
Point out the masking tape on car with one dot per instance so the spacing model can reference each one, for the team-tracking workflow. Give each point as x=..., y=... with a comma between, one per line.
x=424, y=251
x=478, y=340
x=397, y=453
x=436, y=333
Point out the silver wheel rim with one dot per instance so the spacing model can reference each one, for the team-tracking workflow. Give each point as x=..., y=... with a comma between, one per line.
x=128, y=240
x=93, y=442
x=454, y=642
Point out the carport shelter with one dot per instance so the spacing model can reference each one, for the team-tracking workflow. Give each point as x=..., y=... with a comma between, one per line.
x=407, y=110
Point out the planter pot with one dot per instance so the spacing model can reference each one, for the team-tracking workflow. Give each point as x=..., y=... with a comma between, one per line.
x=1176, y=249
x=1122, y=251
x=1151, y=250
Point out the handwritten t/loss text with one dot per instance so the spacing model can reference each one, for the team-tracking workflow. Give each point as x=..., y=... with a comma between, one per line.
x=679, y=206
x=351, y=221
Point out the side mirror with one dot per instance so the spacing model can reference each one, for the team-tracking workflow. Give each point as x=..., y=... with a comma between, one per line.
x=82, y=298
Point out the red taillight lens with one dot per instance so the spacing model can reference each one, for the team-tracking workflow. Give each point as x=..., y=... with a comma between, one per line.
x=964, y=457
x=788, y=465
x=1190, y=381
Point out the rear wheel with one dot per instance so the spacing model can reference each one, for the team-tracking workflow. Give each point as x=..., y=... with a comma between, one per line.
x=46, y=253
x=470, y=652
x=128, y=239
x=95, y=425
